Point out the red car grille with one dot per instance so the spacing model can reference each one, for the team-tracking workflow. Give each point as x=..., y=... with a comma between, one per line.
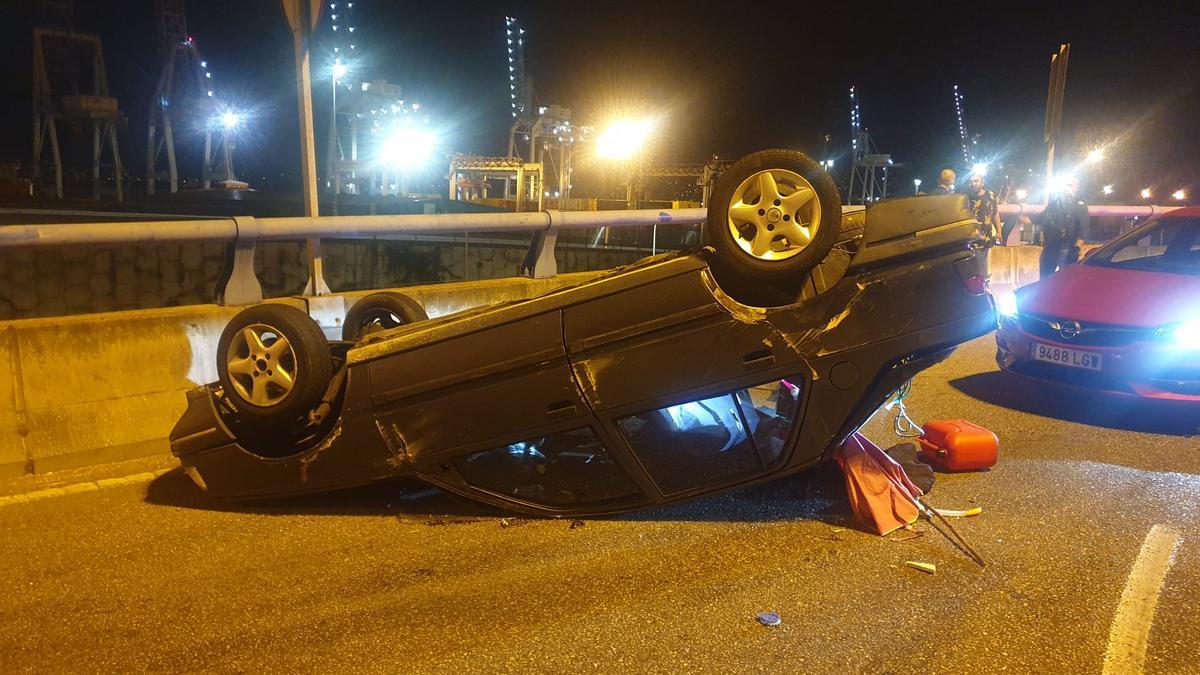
x=1084, y=334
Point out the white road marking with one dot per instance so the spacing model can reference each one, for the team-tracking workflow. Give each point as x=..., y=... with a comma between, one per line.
x=76, y=488
x=1130, y=632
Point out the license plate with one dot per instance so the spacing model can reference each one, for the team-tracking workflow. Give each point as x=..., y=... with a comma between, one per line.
x=1075, y=358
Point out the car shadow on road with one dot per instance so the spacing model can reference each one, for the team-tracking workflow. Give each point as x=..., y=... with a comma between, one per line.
x=395, y=497
x=817, y=494
x=1082, y=407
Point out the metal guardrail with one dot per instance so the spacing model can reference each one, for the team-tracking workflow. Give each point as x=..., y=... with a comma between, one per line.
x=239, y=284
x=1142, y=211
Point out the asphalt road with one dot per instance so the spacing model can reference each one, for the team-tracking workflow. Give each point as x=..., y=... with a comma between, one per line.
x=154, y=577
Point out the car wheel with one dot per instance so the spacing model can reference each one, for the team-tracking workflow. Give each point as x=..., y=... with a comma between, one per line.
x=273, y=362
x=380, y=311
x=773, y=216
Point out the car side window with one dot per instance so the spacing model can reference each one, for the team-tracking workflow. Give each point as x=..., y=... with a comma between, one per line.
x=562, y=469
x=713, y=440
x=1170, y=245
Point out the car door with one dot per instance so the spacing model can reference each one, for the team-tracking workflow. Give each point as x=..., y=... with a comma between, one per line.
x=700, y=398
x=488, y=407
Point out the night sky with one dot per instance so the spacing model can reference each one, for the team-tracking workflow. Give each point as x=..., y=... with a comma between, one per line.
x=730, y=79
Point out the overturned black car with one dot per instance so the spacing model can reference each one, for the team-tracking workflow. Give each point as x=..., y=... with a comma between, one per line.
x=681, y=375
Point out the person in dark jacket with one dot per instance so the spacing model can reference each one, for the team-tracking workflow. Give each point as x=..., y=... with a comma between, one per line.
x=1062, y=224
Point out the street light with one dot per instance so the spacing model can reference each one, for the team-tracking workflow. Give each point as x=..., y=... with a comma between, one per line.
x=1107, y=189
x=916, y=185
x=1022, y=193
x=230, y=119
x=408, y=148
x=1095, y=156
x=623, y=139
x=979, y=169
x=1059, y=182
x=1179, y=194
x=339, y=70
x=1146, y=194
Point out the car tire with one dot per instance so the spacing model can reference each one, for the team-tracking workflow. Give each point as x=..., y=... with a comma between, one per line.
x=273, y=362
x=380, y=311
x=776, y=240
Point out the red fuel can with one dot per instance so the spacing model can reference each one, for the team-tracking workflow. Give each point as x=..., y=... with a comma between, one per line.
x=958, y=445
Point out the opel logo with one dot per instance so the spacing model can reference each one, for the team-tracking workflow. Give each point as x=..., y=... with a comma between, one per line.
x=1069, y=329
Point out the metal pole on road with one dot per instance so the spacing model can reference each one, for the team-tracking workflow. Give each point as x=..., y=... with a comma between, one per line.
x=1054, y=101
x=302, y=16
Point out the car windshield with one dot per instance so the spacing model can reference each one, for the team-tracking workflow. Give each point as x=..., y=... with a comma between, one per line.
x=1167, y=245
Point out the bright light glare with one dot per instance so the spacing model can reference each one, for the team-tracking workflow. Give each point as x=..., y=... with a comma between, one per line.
x=1107, y=189
x=340, y=70
x=1179, y=194
x=1059, y=183
x=1094, y=156
x=980, y=169
x=917, y=182
x=1006, y=304
x=1022, y=194
x=409, y=148
x=624, y=139
x=230, y=119
x=1187, y=335
x=1146, y=194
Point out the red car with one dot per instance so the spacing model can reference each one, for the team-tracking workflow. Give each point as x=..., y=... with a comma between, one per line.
x=1125, y=321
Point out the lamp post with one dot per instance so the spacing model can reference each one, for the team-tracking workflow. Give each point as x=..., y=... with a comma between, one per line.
x=338, y=70
x=624, y=140
x=302, y=18
x=916, y=186
x=229, y=122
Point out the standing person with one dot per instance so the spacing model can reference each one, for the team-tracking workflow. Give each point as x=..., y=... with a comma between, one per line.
x=1062, y=225
x=986, y=208
x=945, y=184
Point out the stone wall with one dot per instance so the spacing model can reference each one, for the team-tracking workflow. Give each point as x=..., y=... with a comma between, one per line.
x=79, y=280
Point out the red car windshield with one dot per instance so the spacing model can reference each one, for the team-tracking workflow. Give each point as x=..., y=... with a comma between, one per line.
x=1169, y=245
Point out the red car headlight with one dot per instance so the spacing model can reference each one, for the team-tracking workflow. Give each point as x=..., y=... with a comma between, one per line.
x=1184, y=335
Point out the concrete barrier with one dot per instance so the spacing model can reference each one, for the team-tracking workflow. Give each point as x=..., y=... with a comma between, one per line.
x=1015, y=266
x=1011, y=266
x=96, y=388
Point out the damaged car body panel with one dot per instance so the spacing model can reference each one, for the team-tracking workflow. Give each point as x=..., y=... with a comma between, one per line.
x=644, y=386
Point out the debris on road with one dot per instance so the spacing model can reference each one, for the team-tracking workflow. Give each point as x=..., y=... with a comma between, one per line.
x=883, y=498
x=958, y=445
x=576, y=524
x=769, y=618
x=918, y=470
x=881, y=495
x=928, y=568
x=959, y=513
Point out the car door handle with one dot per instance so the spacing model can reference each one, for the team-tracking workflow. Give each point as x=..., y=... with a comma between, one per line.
x=762, y=357
x=561, y=409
